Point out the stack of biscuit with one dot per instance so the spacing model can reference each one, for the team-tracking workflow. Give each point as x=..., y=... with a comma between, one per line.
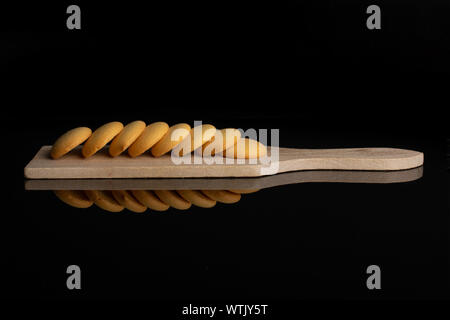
x=160, y=139
x=140, y=200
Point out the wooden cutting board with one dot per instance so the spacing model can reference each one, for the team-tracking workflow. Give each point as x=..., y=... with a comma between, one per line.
x=101, y=165
x=315, y=176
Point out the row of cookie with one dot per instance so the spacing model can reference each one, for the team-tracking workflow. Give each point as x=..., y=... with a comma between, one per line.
x=160, y=138
x=140, y=200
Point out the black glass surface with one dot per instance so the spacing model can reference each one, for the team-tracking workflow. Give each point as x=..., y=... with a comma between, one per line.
x=306, y=68
x=305, y=240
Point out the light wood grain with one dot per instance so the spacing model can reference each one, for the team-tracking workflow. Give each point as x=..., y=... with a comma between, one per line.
x=322, y=176
x=101, y=165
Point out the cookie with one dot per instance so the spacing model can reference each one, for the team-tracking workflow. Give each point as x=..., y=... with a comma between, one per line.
x=244, y=191
x=127, y=200
x=173, y=199
x=74, y=198
x=101, y=137
x=151, y=135
x=222, y=140
x=69, y=140
x=246, y=149
x=197, y=198
x=167, y=143
x=149, y=199
x=197, y=137
x=223, y=196
x=126, y=137
x=104, y=200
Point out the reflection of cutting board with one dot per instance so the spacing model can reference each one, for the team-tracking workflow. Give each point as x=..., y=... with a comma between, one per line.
x=101, y=165
x=327, y=176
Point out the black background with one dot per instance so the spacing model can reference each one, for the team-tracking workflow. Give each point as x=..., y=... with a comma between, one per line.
x=314, y=64
x=311, y=69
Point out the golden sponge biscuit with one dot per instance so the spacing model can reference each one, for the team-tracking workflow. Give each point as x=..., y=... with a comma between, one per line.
x=244, y=191
x=127, y=200
x=222, y=140
x=197, y=137
x=246, y=149
x=173, y=199
x=171, y=139
x=149, y=199
x=104, y=200
x=151, y=135
x=197, y=198
x=74, y=198
x=126, y=137
x=69, y=140
x=223, y=196
x=101, y=137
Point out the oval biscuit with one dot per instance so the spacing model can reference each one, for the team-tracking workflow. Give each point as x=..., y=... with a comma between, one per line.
x=104, y=200
x=74, y=198
x=127, y=200
x=244, y=191
x=101, y=137
x=151, y=135
x=223, y=196
x=197, y=137
x=222, y=140
x=69, y=140
x=246, y=149
x=126, y=137
x=197, y=198
x=149, y=199
x=171, y=139
x=173, y=199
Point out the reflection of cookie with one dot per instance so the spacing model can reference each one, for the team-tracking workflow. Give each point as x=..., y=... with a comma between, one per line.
x=222, y=140
x=246, y=149
x=173, y=199
x=222, y=196
x=151, y=135
x=74, y=198
x=149, y=199
x=128, y=201
x=126, y=137
x=244, y=191
x=101, y=137
x=69, y=140
x=197, y=137
x=197, y=198
x=104, y=200
x=171, y=139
